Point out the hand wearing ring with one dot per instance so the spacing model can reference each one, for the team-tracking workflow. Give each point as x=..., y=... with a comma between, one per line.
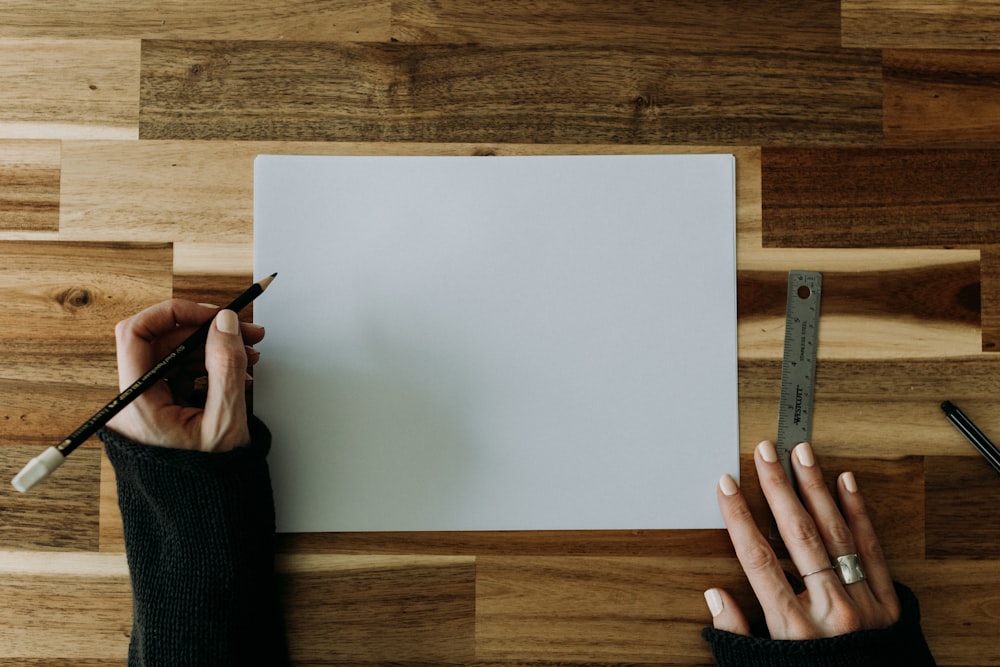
x=847, y=584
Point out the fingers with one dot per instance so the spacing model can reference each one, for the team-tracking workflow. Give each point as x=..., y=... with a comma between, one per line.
x=726, y=613
x=877, y=574
x=760, y=563
x=224, y=420
x=798, y=530
x=143, y=338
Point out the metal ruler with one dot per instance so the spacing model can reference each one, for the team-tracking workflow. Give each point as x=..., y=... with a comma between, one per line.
x=798, y=366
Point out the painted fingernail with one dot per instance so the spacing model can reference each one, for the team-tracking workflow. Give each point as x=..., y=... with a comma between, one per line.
x=804, y=454
x=767, y=451
x=714, y=600
x=850, y=483
x=227, y=322
x=729, y=485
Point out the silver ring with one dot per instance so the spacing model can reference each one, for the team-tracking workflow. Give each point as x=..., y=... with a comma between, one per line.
x=822, y=569
x=849, y=569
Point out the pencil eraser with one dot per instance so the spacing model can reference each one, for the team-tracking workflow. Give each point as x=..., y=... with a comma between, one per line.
x=38, y=469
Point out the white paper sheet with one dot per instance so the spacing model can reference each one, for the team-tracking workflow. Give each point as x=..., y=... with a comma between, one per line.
x=494, y=343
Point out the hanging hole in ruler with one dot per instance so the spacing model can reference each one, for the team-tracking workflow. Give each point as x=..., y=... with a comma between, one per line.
x=804, y=292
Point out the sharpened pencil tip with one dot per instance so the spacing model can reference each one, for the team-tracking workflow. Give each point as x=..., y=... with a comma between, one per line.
x=266, y=281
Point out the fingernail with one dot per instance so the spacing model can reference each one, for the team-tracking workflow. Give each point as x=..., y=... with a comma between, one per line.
x=714, y=600
x=850, y=483
x=209, y=305
x=227, y=322
x=729, y=485
x=767, y=451
x=804, y=454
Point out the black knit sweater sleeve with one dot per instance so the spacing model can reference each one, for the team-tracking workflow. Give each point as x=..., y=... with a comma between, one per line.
x=900, y=644
x=199, y=539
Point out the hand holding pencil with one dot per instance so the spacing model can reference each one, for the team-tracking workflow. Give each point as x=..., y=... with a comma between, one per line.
x=141, y=339
x=161, y=414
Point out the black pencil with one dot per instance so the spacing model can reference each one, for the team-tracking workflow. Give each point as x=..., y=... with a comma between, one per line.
x=40, y=467
x=972, y=434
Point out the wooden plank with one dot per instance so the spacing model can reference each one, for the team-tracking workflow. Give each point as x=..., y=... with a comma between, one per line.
x=60, y=89
x=990, y=297
x=569, y=94
x=597, y=610
x=188, y=19
x=61, y=513
x=64, y=606
x=681, y=24
x=893, y=490
x=379, y=609
x=956, y=527
x=873, y=198
x=919, y=24
x=29, y=186
x=942, y=98
x=925, y=308
x=861, y=404
x=954, y=599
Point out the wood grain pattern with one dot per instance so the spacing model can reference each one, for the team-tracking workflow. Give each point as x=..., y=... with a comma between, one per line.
x=941, y=98
x=380, y=610
x=957, y=528
x=948, y=24
x=877, y=168
x=29, y=186
x=460, y=92
x=850, y=198
x=681, y=24
x=57, y=89
x=187, y=19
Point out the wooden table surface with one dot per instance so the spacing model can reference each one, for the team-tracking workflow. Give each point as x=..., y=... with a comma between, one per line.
x=866, y=135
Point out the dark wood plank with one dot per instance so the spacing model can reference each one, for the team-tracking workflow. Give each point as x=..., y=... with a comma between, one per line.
x=955, y=599
x=681, y=24
x=893, y=490
x=969, y=24
x=957, y=526
x=29, y=186
x=942, y=98
x=861, y=198
x=946, y=293
x=572, y=94
x=990, y=297
x=379, y=609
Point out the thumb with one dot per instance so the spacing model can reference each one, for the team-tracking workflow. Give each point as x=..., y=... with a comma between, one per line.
x=224, y=420
x=726, y=613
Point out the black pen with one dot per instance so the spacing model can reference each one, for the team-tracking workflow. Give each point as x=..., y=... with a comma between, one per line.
x=40, y=467
x=972, y=432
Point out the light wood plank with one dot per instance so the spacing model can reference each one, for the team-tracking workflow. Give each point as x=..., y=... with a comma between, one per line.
x=681, y=24
x=579, y=94
x=921, y=24
x=187, y=19
x=62, y=606
x=29, y=186
x=596, y=610
x=876, y=408
x=59, y=89
x=60, y=513
x=941, y=98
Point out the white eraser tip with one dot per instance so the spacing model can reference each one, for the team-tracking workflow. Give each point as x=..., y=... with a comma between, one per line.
x=38, y=469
